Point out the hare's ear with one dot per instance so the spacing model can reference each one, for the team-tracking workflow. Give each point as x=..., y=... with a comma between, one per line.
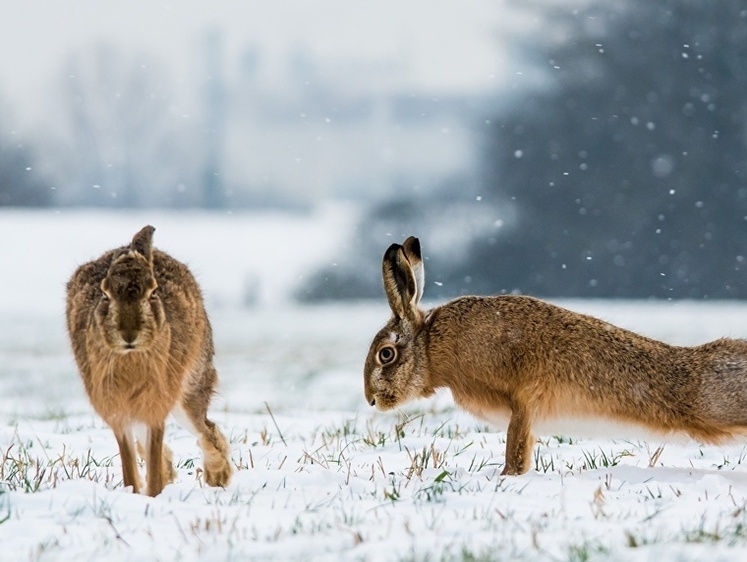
x=142, y=242
x=411, y=247
x=400, y=283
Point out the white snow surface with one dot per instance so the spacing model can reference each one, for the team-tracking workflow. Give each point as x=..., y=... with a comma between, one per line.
x=320, y=475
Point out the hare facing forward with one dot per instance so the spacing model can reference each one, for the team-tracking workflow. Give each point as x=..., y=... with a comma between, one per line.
x=144, y=347
x=528, y=361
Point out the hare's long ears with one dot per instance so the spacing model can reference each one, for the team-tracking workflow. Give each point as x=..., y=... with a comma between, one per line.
x=411, y=246
x=142, y=242
x=402, y=270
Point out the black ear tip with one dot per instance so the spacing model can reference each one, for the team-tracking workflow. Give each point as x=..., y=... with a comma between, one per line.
x=412, y=244
x=391, y=251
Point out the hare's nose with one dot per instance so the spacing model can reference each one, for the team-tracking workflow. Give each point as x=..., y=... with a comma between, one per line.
x=373, y=402
x=129, y=336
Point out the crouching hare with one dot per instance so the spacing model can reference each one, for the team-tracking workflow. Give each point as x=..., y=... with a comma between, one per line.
x=528, y=361
x=144, y=347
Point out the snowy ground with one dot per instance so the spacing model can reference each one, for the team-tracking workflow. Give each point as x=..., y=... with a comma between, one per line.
x=320, y=475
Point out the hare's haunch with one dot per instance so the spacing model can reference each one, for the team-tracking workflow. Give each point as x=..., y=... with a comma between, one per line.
x=144, y=347
x=532, y=362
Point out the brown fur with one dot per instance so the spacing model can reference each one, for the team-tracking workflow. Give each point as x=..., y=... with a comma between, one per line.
x=531, y=361
x=144, y=347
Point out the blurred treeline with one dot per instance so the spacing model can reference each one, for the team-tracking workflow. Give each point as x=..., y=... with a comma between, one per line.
x=245, y=127
x=623, y=174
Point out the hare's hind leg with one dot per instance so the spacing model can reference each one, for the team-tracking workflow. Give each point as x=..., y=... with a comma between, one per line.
x=216, y=454
x=215, y=449
x=519, y=442
x=130, y=475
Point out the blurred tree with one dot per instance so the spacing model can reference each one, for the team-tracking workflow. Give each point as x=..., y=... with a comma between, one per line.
x=214, y=196
x=127, y=145
x=622, y=174
x=20, y=184
x=629, y=168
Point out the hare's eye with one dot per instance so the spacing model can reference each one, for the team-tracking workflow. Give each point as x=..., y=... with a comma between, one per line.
x=387, y=354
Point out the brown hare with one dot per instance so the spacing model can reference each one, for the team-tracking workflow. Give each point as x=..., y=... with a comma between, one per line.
x=528, y=361
x=144, y=347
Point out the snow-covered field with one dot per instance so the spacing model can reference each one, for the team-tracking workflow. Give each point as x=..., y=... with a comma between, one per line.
x=320, y=475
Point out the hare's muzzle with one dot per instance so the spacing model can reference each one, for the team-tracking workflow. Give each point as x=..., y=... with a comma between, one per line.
x=129, y=325
x=128, y=339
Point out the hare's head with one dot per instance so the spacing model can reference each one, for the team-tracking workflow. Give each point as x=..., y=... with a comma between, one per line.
x=130, y=312
x=395, y=369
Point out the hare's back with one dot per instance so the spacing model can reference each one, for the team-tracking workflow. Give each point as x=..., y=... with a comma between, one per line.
x=180, y=293
x=722, y=365
x=169, y=272
x=92, y=273
x=173, y=275
x=177, y=287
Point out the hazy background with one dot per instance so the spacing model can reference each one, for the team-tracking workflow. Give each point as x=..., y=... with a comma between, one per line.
x=558, y=148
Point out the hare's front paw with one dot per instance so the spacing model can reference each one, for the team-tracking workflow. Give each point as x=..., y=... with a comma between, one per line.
x=512, y=471
x=518, y=462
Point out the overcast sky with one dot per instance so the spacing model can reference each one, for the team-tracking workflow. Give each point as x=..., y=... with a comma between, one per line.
x=446, y=46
